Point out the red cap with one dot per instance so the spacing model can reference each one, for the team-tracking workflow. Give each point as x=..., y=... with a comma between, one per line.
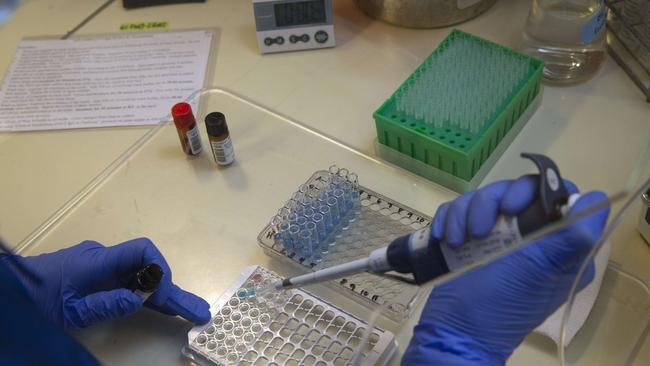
x=182, y=114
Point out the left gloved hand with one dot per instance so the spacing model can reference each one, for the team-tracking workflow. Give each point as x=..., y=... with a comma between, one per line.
x=85, y=284
x=482, y=316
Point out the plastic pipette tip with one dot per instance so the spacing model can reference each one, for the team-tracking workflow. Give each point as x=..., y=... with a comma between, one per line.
x=458, y=106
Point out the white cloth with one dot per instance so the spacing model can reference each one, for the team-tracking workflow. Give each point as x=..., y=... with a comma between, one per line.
x=582, y=305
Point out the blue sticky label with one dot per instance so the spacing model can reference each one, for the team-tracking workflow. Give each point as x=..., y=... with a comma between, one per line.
x=594, y=26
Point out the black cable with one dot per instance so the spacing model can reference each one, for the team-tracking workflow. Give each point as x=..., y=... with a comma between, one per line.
x=88, y=18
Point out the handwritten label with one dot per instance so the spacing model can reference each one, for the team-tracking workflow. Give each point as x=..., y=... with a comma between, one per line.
x=140, y=26
x=504, y=234
x=592, y=28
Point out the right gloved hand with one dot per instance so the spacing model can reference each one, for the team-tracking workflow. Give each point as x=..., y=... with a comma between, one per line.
x=86, y=283
x=481, y=317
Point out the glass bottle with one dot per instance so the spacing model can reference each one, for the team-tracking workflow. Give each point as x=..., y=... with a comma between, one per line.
x=569, y=36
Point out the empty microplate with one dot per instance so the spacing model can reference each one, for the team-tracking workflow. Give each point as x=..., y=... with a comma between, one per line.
x=247, y=329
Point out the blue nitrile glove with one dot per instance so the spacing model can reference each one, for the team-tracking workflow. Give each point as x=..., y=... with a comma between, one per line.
x=481, y=317
x=27, y=337
x=85, y=284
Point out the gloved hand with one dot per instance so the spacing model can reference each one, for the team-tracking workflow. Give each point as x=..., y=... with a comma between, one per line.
x=85, y=284
x=481, y=317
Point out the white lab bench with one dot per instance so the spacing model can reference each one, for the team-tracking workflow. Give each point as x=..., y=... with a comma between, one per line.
x=43, y=170
x=594, y=131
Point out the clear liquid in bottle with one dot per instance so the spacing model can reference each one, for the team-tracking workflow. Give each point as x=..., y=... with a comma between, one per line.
x=569, y=36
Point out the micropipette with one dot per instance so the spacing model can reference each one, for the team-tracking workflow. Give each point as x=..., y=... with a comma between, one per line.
x=421, y=255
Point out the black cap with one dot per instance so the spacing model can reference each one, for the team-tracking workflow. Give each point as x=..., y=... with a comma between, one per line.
x=215, y=123
x=148, y=278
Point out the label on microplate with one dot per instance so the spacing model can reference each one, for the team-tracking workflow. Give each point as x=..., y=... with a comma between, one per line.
x=503, y=235
x=592, y=28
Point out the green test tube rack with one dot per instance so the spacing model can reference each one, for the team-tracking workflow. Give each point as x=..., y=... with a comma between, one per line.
x=447, y=154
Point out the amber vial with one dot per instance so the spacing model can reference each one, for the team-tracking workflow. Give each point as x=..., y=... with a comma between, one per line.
x=188, y=131
x=220, y=142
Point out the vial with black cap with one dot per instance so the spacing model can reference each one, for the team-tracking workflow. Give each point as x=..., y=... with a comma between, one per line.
x=146, y=281
x=219, y=137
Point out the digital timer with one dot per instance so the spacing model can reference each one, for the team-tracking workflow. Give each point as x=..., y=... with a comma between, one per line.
x=291, y=25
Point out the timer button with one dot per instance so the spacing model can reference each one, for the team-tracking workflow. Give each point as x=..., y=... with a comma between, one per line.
x=294, y=39
x=305, y=38
x=279, y=40
x=321, y=36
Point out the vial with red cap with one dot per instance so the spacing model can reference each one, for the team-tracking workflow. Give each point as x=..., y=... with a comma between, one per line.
x=188, y=131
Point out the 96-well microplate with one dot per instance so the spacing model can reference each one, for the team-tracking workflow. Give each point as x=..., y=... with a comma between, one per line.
x=290, y=327
x=380, y=221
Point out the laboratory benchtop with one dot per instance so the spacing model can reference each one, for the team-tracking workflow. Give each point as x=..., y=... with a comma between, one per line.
x=594, y=131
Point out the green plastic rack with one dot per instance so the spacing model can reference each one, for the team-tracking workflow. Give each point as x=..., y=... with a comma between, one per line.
x=449, y=155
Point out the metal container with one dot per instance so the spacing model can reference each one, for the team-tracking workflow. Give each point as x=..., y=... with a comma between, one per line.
x=628, y=41
x=424, y=13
